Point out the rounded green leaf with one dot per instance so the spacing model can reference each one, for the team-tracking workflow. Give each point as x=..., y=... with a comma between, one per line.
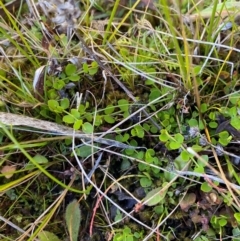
x=52, y=104
x=193, y=122
x=179, y=138
x=85, y=151
x=164, y=137
x=224, y=135
x=145, y=182
x=213, y=124
x=70, y=69
x=109, y=119
x=59, y=84
x=185, y=155
x=123, y=104
x=139, y=131
x=77, y=124
x=75, y=113
x=222, y=222
x=155, y=93
x=69, y=119
x=203, y=107
x=237, y=216
x=65, y=103
x=212, y=115
x=109, y=109
x=205, y=187
x=87, y=128
x=235, y=122
x=74, y=77
x=174, y=145
x=40, y=159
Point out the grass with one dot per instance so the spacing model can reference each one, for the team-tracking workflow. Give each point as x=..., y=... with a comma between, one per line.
x=121, y=124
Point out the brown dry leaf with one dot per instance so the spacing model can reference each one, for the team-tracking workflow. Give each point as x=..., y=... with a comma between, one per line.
x=8, y=171
x=196, y=218
x=188, y=201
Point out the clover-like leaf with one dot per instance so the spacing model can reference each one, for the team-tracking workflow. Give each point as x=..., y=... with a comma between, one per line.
x=87, y=128
x=70, y=69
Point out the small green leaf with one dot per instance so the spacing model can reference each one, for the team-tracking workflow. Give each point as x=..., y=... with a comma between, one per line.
x=109, y=119
x=203, y=107
x=94, y=68
x=193, y=122
x=117, y=218
x=58, y=84
x=235, y=122
x=237, y=216
x=70, y=69
x=179, y=138
x=212, y=115
x=98, y=120
x=213, y=124
x=164, y=136
x=197, y=69
x=125, y=137
x=225, y=142
x=223, y=135
x=145, y=182
x=233, y=111
x=174, y=145
x=47, y=236
x=77, y=124
x=222, y=222
x=234, y=98
x=236, y=234
x=85, y=151
x=74, y=77
x=52, y=104
x=205, y=187
x=199, y=169
x=87, y=128
x=109, y=109
x=154, y=130
x=197, y=148
x=75, y=113
x=133, y=132
x=185, y=155
x=149, y=153
x=139, y=131
x=125, y=164
x=40, y=159
x=85, y=68
x=155, y=93
x=146, y=126
x=69, y=119
x=123, y=104
x=73, y=219
x=155, y=196
x=142, y=166
x=65, y=103
x=159, y=209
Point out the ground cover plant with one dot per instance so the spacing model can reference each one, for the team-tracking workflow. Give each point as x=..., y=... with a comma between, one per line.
x=120, y=120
